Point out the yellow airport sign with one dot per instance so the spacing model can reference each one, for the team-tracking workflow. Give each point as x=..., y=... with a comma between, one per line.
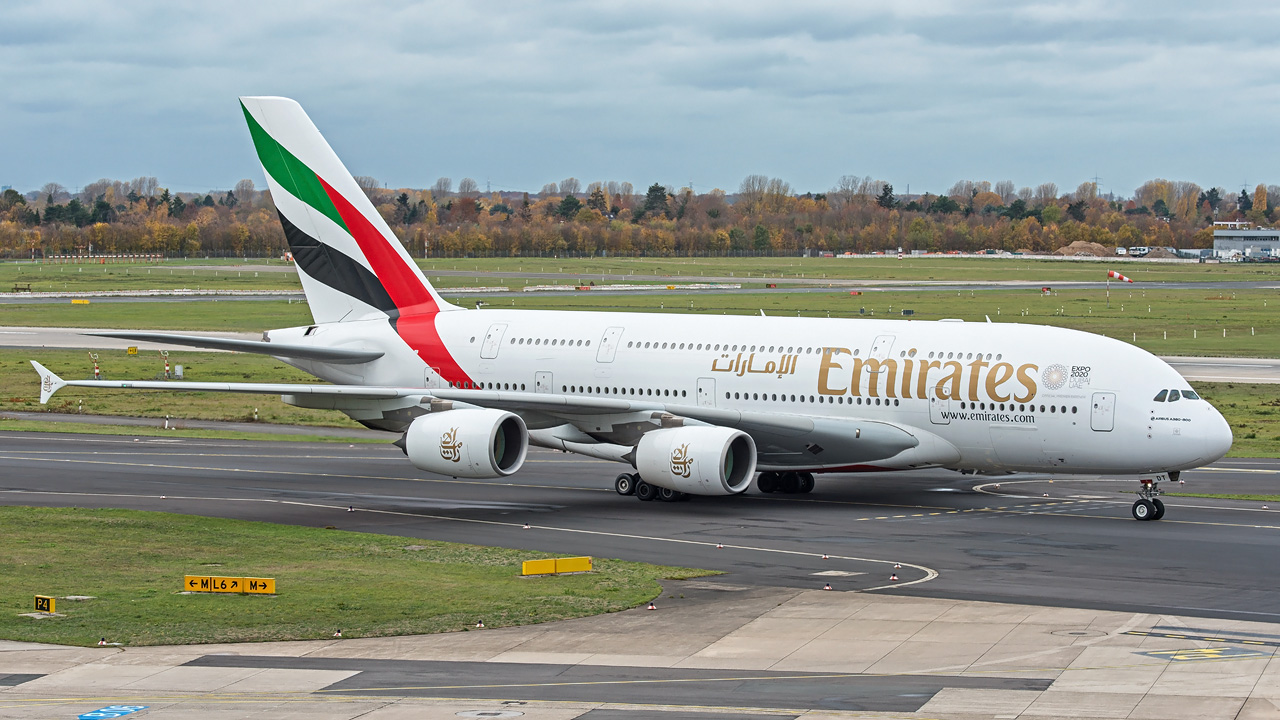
x=132, y=350
x=538, y=567
x=263, y=586
x=218, y=584
x=555, y=566
x=79, y=301
x=573, y=565
x=45, y=604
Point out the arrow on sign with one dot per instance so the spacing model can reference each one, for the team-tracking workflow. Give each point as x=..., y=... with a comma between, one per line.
x=235, y=583
x=192, y=583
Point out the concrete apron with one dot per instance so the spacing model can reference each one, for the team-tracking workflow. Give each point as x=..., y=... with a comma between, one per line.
x=709, y=650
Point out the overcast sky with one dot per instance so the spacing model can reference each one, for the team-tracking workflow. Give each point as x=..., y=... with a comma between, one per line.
x=920, y=93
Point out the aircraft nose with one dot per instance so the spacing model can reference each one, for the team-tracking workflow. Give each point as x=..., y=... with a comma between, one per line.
x=1217, y=437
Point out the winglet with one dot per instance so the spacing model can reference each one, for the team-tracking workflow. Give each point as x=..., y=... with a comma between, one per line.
x=49, y=383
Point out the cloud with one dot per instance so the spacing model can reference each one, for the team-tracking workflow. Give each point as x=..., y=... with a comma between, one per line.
x=521, y=94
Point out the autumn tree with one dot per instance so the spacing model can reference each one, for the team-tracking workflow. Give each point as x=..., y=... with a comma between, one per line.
x=1005, y=189
x=1258, y=204
x=244, y=189
x=468, y=188
x=597, y=200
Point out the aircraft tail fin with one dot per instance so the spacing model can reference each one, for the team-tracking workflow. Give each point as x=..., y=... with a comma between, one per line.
x=49, y=382
x=351, y=265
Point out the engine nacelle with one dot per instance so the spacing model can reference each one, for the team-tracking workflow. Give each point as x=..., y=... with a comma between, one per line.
x=699, y=460
x=467, y=443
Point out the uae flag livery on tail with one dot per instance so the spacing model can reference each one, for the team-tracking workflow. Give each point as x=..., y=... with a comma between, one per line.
x=342, y=245
x=351, y=265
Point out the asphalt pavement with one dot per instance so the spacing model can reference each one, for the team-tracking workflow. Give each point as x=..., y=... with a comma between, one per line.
x=1038, y=540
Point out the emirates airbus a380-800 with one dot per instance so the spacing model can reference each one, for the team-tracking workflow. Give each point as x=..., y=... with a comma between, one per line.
x=695, y=405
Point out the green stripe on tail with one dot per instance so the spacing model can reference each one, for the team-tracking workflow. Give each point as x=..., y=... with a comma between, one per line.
x=290, y=172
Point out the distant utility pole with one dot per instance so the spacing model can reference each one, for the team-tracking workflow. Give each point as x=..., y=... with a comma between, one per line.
x=488, y=189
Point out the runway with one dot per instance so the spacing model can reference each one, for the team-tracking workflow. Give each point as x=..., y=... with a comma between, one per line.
x=1043, y=541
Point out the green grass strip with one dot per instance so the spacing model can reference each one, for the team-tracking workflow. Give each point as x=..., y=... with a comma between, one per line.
x=1228, y=496
x=132, y=563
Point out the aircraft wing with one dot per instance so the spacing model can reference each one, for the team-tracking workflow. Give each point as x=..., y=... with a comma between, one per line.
x=50, y=383
x=341, y=356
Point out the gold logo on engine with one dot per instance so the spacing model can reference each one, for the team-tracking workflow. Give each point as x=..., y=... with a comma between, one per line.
x=47, y=384
x=680, y=461
x=451, y=446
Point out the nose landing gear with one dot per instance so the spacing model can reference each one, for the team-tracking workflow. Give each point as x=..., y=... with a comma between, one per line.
x=1148, y=506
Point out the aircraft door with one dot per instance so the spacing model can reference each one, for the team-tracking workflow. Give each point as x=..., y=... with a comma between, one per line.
x=706, y=392
x=608, y=345
x=881, y=348
x=939, y=410
x=542, y=382
x=493, y=341
x=432, y=378
x=1104, y=412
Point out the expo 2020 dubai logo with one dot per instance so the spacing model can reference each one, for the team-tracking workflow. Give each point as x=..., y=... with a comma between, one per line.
x=1054, y=377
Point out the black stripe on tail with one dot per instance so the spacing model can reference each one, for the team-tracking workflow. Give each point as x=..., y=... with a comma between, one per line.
x=340, y=272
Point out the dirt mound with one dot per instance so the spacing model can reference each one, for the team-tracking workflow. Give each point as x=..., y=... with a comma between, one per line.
x=1083, y=247
x=1160, y=253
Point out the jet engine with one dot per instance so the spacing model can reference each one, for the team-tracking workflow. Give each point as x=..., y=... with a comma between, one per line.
x=467, y=443
x=699, y=460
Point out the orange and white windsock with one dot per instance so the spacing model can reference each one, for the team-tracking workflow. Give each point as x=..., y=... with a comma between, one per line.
x=1112, y=274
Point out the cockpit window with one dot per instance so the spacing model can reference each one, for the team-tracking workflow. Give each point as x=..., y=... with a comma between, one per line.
x=1174, y=396
x=1190, y=395
x=1160, y=396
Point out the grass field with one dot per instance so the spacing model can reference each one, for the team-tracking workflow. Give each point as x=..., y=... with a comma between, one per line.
x=912, y=269
x=217, y=315
x=263, y=274
x=1228, y=496
x=173, y=275
x=22, y=391
x=1166, y=322
x=327, y=579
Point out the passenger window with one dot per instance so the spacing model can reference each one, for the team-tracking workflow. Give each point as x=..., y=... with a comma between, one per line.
x=1174, y=396
x=1160, y=396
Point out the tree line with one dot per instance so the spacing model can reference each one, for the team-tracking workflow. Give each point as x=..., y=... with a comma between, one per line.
x=764, y=217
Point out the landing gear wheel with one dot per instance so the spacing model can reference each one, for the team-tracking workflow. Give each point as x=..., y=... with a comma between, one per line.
x=669, y=495
x=791, y=483
x=767, y=482
x=625, y=484
x=1144, y=509
x=806, y=482
x=1148, y=506
x=645, y=492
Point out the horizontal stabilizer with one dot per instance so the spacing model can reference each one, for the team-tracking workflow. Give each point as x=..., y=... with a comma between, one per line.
x=341, y=356
x=49, y=383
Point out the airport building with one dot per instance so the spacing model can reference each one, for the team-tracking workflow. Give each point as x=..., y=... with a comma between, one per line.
x=1259, y=242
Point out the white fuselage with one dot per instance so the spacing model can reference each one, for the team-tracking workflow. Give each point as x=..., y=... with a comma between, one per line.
x=1000, y=397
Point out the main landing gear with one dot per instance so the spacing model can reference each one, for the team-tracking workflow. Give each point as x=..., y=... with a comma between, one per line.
x=1148, y=506
x=631, y=484
x=785, y=482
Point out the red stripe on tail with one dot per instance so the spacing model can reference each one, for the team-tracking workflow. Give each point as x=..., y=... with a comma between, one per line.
x=418, y=310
